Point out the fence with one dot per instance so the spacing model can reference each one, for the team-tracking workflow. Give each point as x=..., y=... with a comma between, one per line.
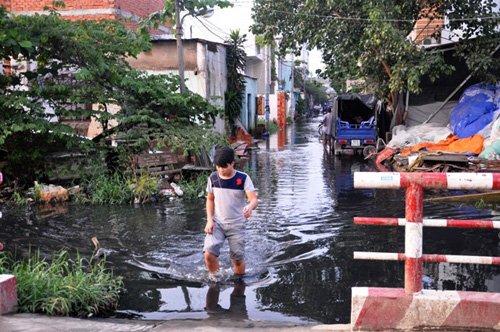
x=415, y=183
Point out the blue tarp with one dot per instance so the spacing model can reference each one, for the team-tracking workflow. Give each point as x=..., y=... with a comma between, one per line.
x=475, y=110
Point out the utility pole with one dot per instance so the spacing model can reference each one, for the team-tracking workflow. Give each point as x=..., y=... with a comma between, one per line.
x=292, y=94
x=180, y=51
x=266, y=85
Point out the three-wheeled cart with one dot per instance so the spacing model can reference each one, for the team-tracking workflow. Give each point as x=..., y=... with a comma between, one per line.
x=357, y=119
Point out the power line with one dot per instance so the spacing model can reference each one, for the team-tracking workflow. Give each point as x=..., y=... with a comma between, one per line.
x=222, y=38
x=215, y=26
x=346, y=18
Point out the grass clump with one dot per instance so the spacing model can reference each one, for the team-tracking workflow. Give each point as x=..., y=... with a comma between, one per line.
x=195, y=186
x=19, y=199
x=118, y=189
x=273, y=127
x=144, y=187
x=108, y=189
x=63, y=286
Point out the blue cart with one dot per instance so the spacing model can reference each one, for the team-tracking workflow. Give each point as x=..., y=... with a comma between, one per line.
x=356, y=120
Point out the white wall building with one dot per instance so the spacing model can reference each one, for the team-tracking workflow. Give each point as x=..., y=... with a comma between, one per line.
x=217, y=28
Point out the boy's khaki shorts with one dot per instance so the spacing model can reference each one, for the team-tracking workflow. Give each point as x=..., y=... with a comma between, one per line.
x=235, y=235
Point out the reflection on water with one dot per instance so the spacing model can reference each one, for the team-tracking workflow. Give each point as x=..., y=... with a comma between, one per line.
x=237, y=303
x=299, y=248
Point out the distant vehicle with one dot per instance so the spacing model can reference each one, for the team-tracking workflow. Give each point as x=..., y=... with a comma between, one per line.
x=356, y=123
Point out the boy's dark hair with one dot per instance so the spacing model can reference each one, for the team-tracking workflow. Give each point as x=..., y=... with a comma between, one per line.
x=223, y=156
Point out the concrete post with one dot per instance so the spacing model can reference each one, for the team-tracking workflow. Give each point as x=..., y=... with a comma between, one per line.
x=8, y=294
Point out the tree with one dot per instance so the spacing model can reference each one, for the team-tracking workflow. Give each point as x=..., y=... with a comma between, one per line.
x=369, y=39
x=316, y=91
x=236, y=64
x=193, y=7
x=76, y=64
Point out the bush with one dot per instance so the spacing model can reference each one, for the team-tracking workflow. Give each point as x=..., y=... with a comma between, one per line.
x=273, y=127
x=144, y=187
x=195, y=186
x=63, y=287
x=108, y=189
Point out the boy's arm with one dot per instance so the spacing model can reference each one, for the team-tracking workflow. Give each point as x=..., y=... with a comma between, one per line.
x=252, y=203
x=209, y=228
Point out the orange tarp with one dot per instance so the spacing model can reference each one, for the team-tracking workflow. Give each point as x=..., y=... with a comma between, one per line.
x=452, y=143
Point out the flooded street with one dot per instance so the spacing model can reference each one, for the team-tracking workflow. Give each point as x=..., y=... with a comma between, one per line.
x=299, y=248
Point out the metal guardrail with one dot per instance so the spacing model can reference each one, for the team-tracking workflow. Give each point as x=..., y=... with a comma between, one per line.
x=415, y=183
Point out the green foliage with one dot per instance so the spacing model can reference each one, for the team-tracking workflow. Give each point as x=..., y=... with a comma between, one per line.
x=108, y=189
x=273, y=127
x=153, y=112
x=194, y=187
x=316, y=91
x=236, y=64
x=63, y=286
x=27, y=154
x=144, y=187
x=301, y=106
x=19, y=199
x=79, y=64
x=369, y=39
x=193, y=8
x=60, y=49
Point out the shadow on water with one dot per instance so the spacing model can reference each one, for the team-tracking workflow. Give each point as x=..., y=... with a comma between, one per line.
x=299, y=248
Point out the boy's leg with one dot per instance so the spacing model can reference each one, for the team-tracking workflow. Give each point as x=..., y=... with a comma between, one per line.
x=238, y=266
x=236, y=238
x=211, y=249
x=212, y=262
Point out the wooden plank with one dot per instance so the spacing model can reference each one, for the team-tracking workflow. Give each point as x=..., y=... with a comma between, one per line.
x=159, y=158
x=190, y=167
x=456, y=158
x=487, y=197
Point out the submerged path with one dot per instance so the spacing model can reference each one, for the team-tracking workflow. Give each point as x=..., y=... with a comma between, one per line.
x=300, y=244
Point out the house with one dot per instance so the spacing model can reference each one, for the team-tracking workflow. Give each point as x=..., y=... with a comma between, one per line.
x=438, y=98
x=127, y=11
x=262, y=64
x=204, y=67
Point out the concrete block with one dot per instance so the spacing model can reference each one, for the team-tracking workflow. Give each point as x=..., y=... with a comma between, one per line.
x=390, y=308
x=8, y=294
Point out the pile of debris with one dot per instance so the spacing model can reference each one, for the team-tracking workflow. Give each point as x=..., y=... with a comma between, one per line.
x=471, y=142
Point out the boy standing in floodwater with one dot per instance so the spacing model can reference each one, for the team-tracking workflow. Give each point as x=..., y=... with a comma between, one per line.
x=231, y=198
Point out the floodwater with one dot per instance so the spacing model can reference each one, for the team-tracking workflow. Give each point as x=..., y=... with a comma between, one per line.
x=300, y=265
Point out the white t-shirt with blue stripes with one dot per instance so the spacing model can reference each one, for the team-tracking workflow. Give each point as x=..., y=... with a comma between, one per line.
x=229, y=196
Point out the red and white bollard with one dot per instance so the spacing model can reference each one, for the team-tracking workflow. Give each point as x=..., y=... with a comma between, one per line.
x=414, y=238
x=8, y=294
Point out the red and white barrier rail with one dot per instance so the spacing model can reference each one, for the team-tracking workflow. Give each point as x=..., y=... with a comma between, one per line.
x=385, y=308
x=415, y=183
x=429, y=222
x=459, y=259
x=458, y=181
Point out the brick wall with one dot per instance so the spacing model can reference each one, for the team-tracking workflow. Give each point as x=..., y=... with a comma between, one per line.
x=6, y=3
x=30, y=5
x=140, y=8
x=429, y=25
x=425, y=28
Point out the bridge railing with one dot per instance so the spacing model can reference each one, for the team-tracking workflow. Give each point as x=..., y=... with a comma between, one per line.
x=415, y=183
